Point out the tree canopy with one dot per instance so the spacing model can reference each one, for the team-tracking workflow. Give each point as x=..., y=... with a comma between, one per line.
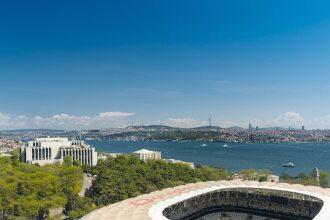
x=127, y=176
x=31, y=190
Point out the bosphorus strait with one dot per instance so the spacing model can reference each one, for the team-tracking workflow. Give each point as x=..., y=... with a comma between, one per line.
x=236, y=156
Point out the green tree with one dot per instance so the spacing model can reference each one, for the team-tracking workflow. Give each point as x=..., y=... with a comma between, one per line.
x=29, y=191
x=126, y=176
x=324, y=178
x=76, y=163
x=67, y=161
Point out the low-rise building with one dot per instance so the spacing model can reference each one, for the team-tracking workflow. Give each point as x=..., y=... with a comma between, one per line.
x=191, y=165
x=145, y=154
x=48, y=150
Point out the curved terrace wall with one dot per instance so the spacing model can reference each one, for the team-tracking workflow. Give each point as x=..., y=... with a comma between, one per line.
x=205, y=200
x=261, y=202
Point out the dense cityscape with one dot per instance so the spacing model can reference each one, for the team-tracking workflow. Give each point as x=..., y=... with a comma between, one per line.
x=165, y=133
x=164, y=110
x=212, y=134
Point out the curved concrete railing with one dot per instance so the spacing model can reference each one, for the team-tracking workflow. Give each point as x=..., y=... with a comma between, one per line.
x=152, y=206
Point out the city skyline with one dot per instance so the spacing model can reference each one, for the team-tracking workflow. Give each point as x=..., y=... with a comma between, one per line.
x=71, y=65
x=288, y=120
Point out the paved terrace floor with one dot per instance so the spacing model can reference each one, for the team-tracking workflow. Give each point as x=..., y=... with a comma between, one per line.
x=151, y=206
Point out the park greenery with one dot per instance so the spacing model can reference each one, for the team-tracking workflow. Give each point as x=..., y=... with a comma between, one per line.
x=309, y=180
x=260, y=175
x=126, y=176
x=32, y=192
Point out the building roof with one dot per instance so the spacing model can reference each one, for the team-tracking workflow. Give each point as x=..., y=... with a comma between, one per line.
x=151, y=206
x=143, y=151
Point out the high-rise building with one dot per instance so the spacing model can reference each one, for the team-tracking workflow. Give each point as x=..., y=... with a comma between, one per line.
x=48, y=150
x=303, y=128
x=250, y=127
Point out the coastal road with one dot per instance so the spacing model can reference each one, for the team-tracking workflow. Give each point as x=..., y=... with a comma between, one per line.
x=87, y=183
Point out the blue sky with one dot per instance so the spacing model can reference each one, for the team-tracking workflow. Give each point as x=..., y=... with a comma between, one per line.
x=73, y=64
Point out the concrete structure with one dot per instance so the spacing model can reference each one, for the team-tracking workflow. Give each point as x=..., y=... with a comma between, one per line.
x=114, y=155
x=221, y=200
x=273, y=178
x=316, y=175
x=48, y=150
x=144, y=154
x=191, y=165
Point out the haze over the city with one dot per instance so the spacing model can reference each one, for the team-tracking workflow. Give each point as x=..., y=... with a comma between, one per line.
x=77, y=64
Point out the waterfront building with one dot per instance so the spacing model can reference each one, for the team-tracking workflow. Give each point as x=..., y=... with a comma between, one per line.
x=48, y=150
x=145, y=154
x=114, y=155
x=191, y=165
x=102, y=157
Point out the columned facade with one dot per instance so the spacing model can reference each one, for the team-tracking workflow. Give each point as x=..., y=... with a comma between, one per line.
x=84, y=155
x=50, y=150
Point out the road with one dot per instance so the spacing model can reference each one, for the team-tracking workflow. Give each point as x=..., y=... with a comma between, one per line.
x=87, y=183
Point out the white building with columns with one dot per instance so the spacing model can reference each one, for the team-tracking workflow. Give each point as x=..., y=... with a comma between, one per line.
x=48, y=150
x=145, y=154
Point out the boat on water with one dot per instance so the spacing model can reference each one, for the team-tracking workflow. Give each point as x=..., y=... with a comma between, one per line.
x=203, y=145
x=288, y=165
x=225, y=146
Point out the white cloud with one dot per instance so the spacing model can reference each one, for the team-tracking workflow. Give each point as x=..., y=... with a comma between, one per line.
x=65, y=121
x=289, y=117
x=184, y=122
x=4, y=119
x=8, y=121
x=121, y=119
x=114, y=115
x=286, y=119
x=320, y=122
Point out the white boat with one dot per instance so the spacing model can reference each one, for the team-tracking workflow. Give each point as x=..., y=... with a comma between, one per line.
x=225, y=146
x=288, y=165
x=203, y=145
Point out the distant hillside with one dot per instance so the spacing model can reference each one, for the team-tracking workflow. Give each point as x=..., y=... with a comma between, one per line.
x=164, y=127
x=205, y=128
x=153, y=127
x=235, y=128
x=33, y=130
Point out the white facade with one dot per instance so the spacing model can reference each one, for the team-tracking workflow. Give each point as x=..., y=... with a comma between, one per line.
x=191, y=165
x=48, y=150
x=144, y=154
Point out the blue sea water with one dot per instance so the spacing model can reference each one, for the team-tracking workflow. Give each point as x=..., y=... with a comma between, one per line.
x=237, y=156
